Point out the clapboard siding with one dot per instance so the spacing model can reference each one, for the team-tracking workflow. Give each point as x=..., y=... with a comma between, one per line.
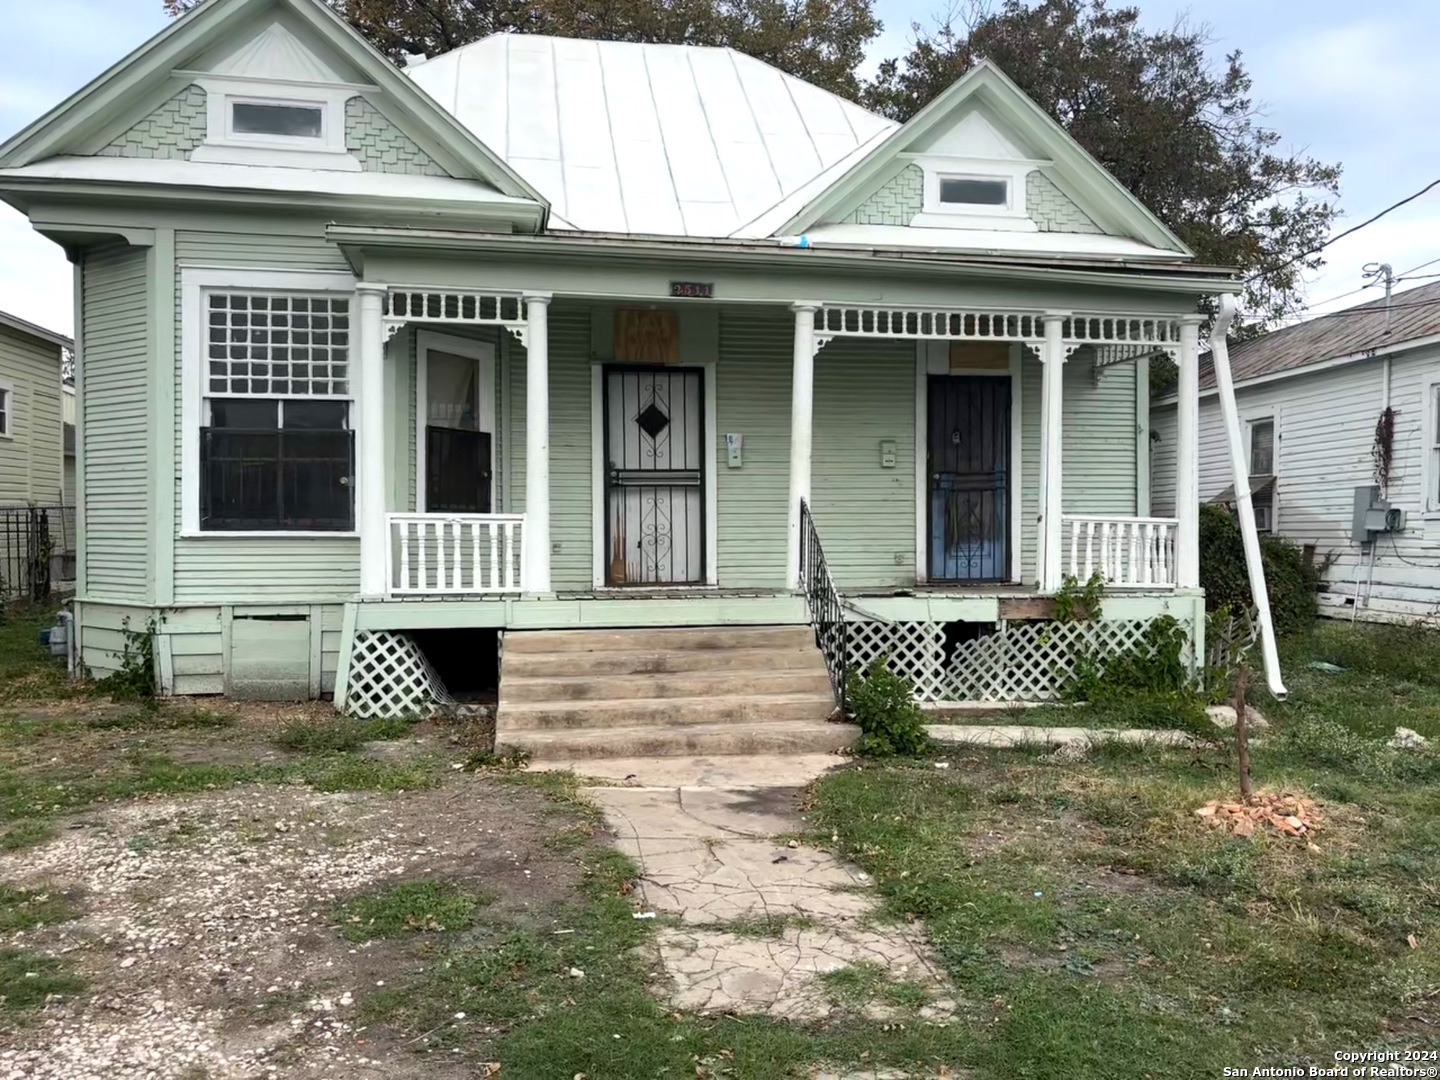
x=224, y=569
x=753, y=399
x=571, y=556
x=1098, y=447
x=865, y=513
x=1325, y=425
x=30, y=455
x=115, y=301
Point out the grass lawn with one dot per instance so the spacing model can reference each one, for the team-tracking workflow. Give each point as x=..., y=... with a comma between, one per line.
x=1094, y=927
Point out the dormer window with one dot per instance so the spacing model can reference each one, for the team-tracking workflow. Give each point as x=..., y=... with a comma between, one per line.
x=253, y=121
x=972, y=191
x=275, y=119
x=983, y=194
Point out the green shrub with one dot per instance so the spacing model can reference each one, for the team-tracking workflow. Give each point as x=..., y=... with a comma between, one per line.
x=134, y=677
x=884, y=707
x=1291, y=581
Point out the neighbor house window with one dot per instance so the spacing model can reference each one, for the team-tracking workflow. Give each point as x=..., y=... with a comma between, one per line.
x=1262, y=472
x=7, y=409
x=286, y=120
x=276, y=445
x=965, y=191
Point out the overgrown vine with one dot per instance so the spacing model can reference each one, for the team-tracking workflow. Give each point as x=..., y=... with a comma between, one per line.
x=1382, y=451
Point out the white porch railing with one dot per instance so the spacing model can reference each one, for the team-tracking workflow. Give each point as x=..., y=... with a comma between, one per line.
x=452, y=554
x=1128, y=552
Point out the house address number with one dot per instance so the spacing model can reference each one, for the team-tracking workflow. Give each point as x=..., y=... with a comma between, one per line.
x=701, y=289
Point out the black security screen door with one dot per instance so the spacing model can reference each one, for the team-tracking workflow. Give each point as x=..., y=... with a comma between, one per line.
x=457, y=471
x=969, y=457
x=655, y=476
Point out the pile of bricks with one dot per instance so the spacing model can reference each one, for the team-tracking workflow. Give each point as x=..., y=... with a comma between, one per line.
x=1288, y=815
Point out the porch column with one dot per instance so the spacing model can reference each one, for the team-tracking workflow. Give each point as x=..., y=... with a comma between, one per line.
x=370, y=458
x=802, y=408
x=1187, y=456
x=535, y=572
x=1052, y=357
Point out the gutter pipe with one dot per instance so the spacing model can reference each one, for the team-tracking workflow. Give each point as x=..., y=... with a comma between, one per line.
x=1240, y=474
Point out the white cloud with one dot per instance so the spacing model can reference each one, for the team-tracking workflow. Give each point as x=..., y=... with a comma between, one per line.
x=35, y=278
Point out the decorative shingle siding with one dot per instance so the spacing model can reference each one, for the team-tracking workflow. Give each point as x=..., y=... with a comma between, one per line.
x=380, y=146
x=896, y=202
x=170, y=132
x=1051, y=209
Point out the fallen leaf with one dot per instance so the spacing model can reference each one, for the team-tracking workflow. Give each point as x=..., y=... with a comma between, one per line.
x=1412, y=942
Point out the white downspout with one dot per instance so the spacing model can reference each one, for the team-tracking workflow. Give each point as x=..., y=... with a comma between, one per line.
x=1240, y=473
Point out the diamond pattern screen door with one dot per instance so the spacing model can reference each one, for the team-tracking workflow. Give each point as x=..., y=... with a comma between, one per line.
x=969, y=435
x=655, y=476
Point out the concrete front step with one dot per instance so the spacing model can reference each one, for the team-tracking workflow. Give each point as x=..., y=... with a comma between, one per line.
x=517, y=689
x=661, y=661
x=792, y=737
x=672, y=712
x=666, y=638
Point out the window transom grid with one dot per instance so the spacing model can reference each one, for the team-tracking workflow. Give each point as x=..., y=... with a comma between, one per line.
x=270, y=344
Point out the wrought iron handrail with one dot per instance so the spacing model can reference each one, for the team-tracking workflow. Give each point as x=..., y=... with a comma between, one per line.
x=827, y=616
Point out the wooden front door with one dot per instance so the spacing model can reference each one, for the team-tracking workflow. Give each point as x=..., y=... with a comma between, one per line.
x=969, y=457
x=654, y=475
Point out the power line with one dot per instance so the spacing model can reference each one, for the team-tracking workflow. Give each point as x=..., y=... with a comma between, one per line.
x=1348, y=232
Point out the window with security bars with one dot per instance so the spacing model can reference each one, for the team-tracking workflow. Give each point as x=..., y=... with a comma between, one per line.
x=276, y=448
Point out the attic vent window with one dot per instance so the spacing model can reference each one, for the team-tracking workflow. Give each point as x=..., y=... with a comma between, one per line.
x=289, y=121
x=960, y=191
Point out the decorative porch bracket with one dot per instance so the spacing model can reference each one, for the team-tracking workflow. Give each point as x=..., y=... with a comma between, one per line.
x=509, y=311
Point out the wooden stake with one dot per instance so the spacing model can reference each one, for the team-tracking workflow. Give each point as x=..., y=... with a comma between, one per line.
x=1242, y=735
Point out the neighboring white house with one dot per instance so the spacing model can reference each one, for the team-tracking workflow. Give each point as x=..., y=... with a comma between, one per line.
x=1310, y=399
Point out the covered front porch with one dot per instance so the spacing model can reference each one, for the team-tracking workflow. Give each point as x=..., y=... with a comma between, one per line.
x=562, y=461
x=539, y=447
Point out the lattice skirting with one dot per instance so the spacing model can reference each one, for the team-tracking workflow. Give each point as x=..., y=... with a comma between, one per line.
x=390, y=677
x=1021, y=661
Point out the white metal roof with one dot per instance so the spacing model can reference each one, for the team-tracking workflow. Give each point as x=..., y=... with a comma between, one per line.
x=664, y=140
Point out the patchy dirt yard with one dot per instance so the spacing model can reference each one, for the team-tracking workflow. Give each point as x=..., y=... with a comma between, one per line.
x=207, y=932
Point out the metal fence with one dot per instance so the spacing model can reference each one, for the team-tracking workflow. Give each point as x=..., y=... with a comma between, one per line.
x=37, y=550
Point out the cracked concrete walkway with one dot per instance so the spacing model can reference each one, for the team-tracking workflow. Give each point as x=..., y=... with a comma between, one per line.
x=759, y=920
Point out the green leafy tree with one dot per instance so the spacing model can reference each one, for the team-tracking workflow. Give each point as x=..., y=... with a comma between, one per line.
x=1182, y=133
x=822, y=41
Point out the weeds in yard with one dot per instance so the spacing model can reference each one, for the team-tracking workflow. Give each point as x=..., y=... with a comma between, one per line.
x=27, y=670
x=28, y=980
x=1114, y=934
x=412, y=906
x=22, y=909
x=340, y=734
x=159, y=719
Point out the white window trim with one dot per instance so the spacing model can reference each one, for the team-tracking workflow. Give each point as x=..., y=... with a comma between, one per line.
x=1013, y=216
x=1250, y=419
x=1429, y=465
x=7, y=406
x=483, y=353
x=194, y=281
x=223, y=144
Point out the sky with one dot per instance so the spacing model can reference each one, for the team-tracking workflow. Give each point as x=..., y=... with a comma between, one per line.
x=1342, y=82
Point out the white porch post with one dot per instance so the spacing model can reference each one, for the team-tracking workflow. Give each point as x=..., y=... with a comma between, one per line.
x=802, y=401
x=1051, y=479
x=536, y=540
x=370, y=463
x=1187, y=457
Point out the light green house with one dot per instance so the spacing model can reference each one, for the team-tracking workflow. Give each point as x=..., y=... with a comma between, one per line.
x=32, y=525
x=547, y=334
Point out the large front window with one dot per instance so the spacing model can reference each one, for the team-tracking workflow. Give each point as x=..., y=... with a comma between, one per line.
x=276, y=445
